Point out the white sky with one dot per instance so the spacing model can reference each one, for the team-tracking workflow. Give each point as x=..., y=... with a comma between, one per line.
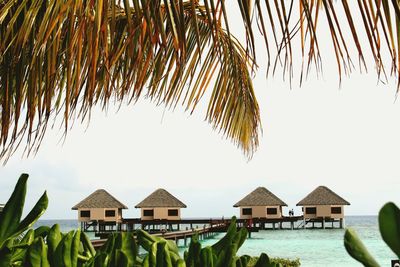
x=346, y=138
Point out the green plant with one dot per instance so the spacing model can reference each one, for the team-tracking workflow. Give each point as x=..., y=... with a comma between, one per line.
x=11, y=226
x=45, y=246
x=389, y=226
x=283, y=262
x=224, y=252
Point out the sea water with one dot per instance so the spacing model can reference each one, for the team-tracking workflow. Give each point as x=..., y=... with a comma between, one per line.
x=314, y=247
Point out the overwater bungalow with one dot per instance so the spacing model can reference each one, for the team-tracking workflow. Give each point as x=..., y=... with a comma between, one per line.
x=161, y=205
x=261, y=203
x=100, y=206
x=323, y=205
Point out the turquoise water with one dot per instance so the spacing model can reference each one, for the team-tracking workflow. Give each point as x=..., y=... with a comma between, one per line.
x=314, y=247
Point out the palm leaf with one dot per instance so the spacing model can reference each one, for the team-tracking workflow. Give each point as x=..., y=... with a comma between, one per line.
x=61, y=58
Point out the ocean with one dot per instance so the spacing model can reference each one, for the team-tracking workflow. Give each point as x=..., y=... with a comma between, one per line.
x=314, y=247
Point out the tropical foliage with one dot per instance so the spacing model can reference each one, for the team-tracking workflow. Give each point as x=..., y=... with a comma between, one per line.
x=22, y=246
x=61, y=58
x=281, y=261
x=45, y=246
x=389, y=226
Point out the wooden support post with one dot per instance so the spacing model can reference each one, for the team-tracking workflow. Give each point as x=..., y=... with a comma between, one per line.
x=249, y=233
x=323, y=223
x=280, y=225
x=341, y=223
x=312, y=224
x=292, y=225
x=184, y=240
x=273, y=225
x=304, y=223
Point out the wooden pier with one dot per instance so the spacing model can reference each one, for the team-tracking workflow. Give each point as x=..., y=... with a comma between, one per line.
x=184, y=235
x=322, y=223
x=102, y=229
x=185, y=229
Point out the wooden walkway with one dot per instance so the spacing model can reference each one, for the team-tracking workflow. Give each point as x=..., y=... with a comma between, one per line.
x=184, y=229
x=184, y=235
x=102, y=229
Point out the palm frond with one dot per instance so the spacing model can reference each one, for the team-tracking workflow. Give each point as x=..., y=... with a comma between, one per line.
x=64, y=57
x=378, y=20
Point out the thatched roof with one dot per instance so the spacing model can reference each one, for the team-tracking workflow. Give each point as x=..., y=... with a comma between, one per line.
x=260, y=197
x=99, y=199
x=322, y=195
x=160, y=198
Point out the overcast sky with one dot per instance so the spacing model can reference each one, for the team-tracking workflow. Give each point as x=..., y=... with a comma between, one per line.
x=346, y=138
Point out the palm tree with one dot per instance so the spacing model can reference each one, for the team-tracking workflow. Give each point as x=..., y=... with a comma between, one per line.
x=60, y=58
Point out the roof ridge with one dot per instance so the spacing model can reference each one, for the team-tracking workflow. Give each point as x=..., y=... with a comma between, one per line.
x=160, y=198
x=98, y=194
x=322, y=195
x=260, y=196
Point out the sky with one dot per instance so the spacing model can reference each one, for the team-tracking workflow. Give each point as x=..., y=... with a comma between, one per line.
x=345, y=137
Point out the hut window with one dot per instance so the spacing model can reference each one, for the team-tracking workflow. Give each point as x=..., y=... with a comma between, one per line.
x=149, y=213
x=85, y=213
x=247, y=211
x=312, y=210
x=110, y=213
x=173, y=212
x=336, y=210
x=272, y=211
